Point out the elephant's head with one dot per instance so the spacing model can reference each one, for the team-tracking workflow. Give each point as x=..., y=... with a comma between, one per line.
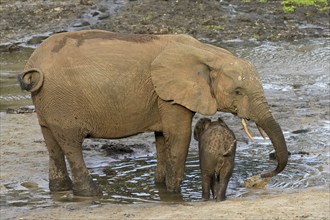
x=206, y=79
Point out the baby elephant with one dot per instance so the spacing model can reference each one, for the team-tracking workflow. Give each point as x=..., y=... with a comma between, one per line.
x=217, y=148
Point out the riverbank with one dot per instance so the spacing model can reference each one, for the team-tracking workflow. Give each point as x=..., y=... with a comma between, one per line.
x=312, y=204
x=28, y=22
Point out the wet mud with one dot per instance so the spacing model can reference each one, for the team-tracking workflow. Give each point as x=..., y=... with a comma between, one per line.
x=28, y=22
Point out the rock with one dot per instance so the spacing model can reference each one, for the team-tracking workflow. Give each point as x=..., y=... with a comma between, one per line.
x=103, y=8
x=36, y=40
x=30, y=185
x=112, y=149
x=104, y=15
x=256, y=182
x=81, y=24
x=300, y=131
x=95, y=13
x=86, y=2
x=21, y=110
x=272, y=155
x=9, y=47
x=109, y=172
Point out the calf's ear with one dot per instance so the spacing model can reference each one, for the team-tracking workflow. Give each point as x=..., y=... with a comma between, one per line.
x=200, y=127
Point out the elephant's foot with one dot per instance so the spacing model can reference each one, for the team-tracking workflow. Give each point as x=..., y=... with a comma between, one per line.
x=221, y=198
x=62, y=184
x=173, y=184
x=86, y=187
x=205, y=196
x=173, y=189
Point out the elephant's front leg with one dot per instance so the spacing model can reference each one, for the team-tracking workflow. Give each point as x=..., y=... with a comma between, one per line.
x=161, y=158
x=175, y=164
x=177, y=132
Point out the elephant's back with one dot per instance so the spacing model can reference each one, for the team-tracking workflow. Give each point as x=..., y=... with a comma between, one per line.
x=95, y=79
x=217, y=139
x=94, y=49
x=95, y=61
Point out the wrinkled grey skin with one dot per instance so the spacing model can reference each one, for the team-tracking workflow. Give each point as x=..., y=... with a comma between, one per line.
x=217, y=148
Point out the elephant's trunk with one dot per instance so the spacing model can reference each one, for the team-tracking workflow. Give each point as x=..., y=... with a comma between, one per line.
x=266, y=121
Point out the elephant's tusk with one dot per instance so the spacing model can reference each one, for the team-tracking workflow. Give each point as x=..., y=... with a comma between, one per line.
x=261, y=132
x=246, y=129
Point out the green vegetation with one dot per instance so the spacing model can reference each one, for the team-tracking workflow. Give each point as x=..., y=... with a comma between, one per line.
x=201, y=6
x=290, y=5
x=213, y=27
x=148, y=18
x=256, y=0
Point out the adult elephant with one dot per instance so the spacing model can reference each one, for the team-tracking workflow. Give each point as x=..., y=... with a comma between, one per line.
x=109, y=85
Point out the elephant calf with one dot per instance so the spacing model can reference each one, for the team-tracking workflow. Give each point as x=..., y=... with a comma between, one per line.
x=217, y=147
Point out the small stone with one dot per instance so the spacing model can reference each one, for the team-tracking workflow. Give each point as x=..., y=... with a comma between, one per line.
x=81, y=24
x=30, y=185
x=36, y=40
x=104, y=16
x=95, y=13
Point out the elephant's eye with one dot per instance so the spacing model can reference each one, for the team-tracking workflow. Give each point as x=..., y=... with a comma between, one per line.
x=238, y=92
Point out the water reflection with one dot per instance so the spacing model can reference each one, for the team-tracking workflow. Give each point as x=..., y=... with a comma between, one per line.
x=133, y=181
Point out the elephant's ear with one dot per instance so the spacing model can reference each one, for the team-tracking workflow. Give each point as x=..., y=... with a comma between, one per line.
x=181, y=74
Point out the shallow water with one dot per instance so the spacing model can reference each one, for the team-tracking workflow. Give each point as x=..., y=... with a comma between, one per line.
x=11, y=64
x=296, y=82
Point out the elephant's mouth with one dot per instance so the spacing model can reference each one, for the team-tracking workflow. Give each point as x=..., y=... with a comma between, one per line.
x=247, y=130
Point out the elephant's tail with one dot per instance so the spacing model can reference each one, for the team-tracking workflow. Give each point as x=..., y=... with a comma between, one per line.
x=31, y=80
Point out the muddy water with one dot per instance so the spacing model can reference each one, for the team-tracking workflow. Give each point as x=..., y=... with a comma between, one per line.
x=296, y=82
x=10, y=94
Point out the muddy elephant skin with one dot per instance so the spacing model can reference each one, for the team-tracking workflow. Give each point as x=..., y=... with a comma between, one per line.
x=100, y=84
x=217, y=149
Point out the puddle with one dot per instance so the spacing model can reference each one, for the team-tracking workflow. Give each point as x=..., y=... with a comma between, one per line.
x=131, y=180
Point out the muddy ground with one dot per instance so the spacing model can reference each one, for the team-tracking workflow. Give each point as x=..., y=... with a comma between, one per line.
x=210, y=20
x=27, y=22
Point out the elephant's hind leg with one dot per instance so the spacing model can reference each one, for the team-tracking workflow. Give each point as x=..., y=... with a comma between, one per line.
x=59, y=179
x=223, y=184
x=83, y=184
x=207, y=180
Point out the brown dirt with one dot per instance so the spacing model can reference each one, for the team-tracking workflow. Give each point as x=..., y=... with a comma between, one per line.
x=203, y=19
